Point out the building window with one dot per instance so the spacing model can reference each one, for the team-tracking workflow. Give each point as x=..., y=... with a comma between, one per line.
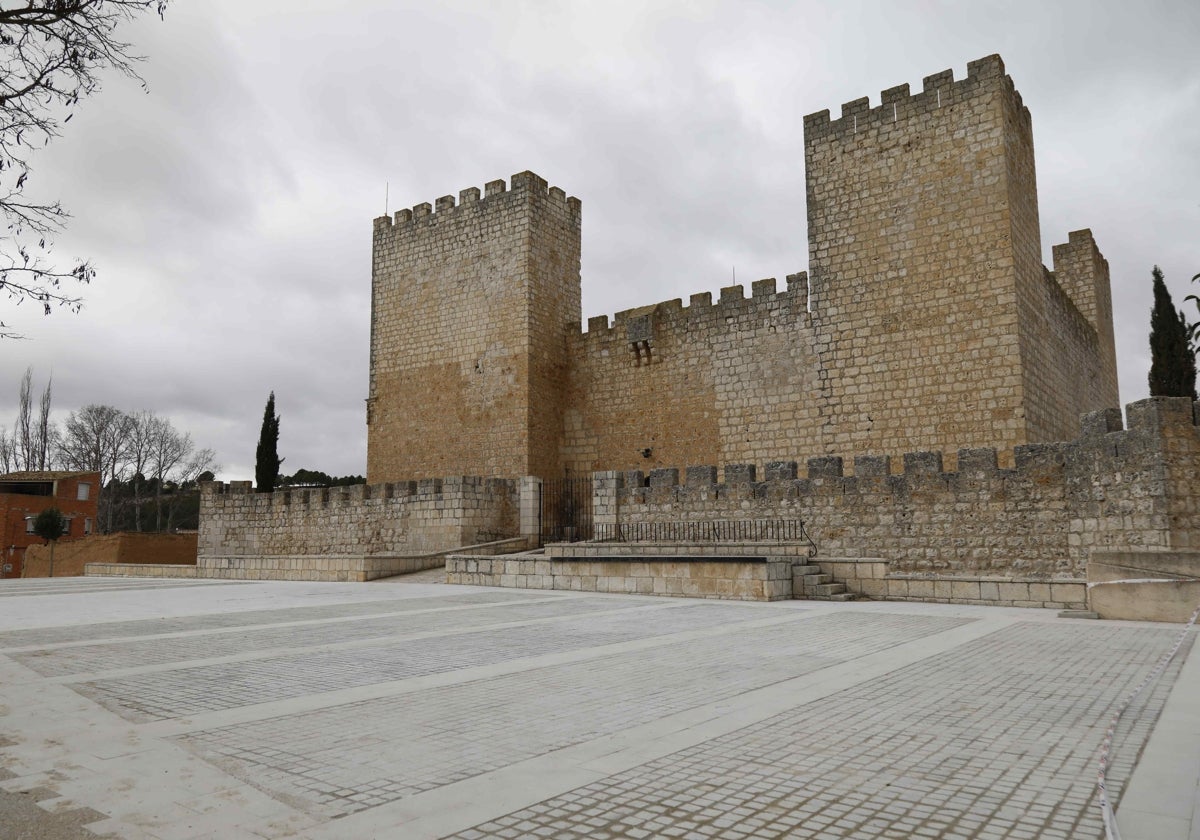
x=87, y=526
x=29, y=524
x=83, y=492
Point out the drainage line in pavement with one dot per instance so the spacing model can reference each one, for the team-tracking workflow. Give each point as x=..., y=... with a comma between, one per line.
x=1106, y=811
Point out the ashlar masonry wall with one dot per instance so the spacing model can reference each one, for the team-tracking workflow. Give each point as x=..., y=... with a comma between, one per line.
x=469, y=306
x=1110, y=489
x=926, y=320
x=348, y=533
x=730, y=381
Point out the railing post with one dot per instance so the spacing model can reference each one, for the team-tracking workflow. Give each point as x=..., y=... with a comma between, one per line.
x=531, y=508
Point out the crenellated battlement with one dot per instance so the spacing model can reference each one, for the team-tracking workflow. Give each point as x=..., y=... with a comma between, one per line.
x=1112, y=488
x=731, y=305
x=1102, y=436
x=355, y=495
x=939, y=90
x=521, y=185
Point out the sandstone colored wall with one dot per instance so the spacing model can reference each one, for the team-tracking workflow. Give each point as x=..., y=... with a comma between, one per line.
x=931, y=322
x=470, y=304
x=348, y=533
x=70, y=557
x=937, y=326
x=1111, y=489
x=729, y=381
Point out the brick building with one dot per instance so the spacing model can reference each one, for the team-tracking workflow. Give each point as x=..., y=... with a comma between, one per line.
x=23, y=495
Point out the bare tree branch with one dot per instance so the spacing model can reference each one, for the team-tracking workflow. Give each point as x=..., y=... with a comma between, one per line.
x=52, y=54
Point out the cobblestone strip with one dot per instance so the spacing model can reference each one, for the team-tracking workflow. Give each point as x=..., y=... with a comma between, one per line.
x=888, y=758
x=7, y=591
x=263, y=639
x=42, y=637
x=351, y=757
x=189, y=691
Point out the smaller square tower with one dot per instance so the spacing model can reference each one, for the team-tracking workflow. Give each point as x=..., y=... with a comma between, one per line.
x=470, y=306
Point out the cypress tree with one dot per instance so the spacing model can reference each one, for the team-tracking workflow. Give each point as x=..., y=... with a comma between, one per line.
x=1172, y=362
x=267, y=460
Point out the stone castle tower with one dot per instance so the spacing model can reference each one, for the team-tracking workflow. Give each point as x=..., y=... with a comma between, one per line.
x=469, y=308
x=926, y=320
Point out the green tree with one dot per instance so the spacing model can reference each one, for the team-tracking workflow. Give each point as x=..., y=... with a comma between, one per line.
x=267, y=460
x=50, y=524
x=1172, y=361
x=1194, y=328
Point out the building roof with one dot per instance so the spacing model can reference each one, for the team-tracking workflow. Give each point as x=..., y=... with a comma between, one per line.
x=44, y=475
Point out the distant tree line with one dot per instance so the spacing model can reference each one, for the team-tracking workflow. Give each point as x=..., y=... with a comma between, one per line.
x=316, y=478
x=149, y=470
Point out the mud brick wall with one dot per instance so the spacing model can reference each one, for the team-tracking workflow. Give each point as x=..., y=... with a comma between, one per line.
x=1110, y=489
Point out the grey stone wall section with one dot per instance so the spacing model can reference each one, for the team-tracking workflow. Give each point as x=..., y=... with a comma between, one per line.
x=349, y=533
x=1111, y=489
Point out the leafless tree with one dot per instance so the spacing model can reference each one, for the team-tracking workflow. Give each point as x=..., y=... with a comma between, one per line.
x=42, y=439
x=52, y=54
x=200, y=461
x=8, y=451
x=24, y=430
x=32, y=440
x=95, y=438
x=141, y=431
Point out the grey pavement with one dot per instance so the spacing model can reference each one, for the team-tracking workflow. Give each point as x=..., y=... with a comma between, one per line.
x=177, y=710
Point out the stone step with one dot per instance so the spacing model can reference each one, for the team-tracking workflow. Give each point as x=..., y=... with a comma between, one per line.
x=843, y=596
x=801, y=571
x=817, y=579
x=825, y=590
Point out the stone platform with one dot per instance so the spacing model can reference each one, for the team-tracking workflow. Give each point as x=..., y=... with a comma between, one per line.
x=160, y=709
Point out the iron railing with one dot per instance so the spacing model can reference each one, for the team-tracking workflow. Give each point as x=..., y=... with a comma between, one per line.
x=709, y=530
x=566, y=509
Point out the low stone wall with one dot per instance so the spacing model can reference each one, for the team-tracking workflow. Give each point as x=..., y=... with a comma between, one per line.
x=140, y=570
x=356, y=533
x=1038, y=522
x=72, y=557
x=1145, y=586
x=740, y=577
x=871, y=578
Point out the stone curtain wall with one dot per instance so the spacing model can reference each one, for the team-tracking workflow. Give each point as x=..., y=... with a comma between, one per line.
x=729, y=381
x=931, y=321
x=349, y=533
x=1110, y=489
x=470, y=305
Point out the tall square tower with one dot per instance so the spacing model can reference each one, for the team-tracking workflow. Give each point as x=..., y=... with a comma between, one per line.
x=470, y=305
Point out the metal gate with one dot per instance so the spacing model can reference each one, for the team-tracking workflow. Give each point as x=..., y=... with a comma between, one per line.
x=566, y=509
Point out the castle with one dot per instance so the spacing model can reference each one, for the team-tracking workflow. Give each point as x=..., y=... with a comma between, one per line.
x=926, y=319
x=935, y=404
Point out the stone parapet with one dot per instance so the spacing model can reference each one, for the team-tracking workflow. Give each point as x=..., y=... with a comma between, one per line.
x=739, y=578
x=1109, y=489
x=353, y=533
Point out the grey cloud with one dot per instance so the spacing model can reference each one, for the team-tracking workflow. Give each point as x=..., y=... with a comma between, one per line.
x=229, y=209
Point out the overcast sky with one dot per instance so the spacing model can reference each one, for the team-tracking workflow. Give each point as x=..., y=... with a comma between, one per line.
x=229, y=209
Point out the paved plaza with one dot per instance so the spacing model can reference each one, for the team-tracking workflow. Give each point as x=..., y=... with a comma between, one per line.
x=171, y=710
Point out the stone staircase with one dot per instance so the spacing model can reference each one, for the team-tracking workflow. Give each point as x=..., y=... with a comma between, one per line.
x=810, y=583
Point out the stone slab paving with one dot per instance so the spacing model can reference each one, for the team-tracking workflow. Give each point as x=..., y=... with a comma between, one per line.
x=317, y=711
